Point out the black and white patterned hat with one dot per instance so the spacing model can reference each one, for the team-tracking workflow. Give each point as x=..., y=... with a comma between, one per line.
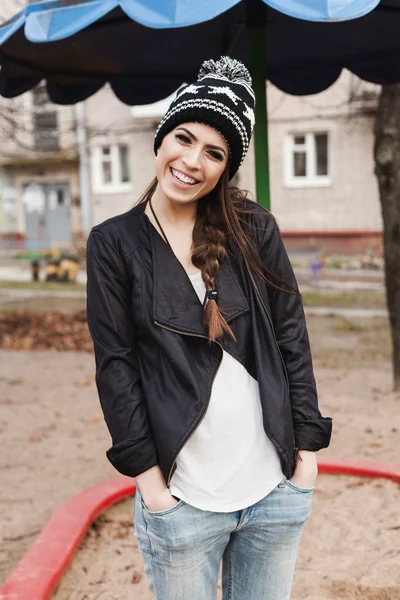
x=222, y=97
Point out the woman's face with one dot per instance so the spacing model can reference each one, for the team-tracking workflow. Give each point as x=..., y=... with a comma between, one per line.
x=190, y=161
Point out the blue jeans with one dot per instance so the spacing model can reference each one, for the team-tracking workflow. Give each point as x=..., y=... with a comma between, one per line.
x=182, y=547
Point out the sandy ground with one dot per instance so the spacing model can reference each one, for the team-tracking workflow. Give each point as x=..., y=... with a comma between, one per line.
x=53, y=445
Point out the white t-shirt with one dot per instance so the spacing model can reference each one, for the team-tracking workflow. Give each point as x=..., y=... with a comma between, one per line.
x=228, y=463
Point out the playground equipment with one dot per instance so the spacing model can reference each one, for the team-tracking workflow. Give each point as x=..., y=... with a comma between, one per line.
x=62, y=266
x=41, y=568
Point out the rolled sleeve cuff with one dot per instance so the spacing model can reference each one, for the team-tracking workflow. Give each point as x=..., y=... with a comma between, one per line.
x=132, y=457
x=313, y=435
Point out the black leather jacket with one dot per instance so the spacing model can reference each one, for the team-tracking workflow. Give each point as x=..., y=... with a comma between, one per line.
x=154, y=364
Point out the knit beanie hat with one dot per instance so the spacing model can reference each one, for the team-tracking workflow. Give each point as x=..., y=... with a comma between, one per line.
x=222, y=98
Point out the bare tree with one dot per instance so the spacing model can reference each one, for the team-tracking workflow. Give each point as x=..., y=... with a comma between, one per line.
x=387, y=169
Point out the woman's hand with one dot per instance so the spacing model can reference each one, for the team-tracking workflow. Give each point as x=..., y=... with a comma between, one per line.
x=153, y=489
x=306, y=470
x=161, y=501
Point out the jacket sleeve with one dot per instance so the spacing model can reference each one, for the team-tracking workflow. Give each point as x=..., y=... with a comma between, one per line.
x=117, y=371
x=312, y=431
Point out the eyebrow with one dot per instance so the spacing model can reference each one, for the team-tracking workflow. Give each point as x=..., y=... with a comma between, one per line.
x=190, y=134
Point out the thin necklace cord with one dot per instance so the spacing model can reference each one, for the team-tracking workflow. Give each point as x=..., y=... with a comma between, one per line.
x=159, y=224
x=210, y=294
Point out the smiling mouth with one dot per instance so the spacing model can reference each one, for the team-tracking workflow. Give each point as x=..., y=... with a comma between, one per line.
x=182, y=178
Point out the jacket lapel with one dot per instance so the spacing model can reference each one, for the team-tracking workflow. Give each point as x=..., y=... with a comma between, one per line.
x=175, y=302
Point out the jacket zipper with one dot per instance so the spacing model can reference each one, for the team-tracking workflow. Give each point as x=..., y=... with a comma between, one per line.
x=208, y=401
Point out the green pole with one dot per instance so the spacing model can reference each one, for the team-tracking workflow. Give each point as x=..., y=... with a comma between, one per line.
x=258, y=70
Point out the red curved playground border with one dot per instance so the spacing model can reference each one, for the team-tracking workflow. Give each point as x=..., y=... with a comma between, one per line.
x=42, y=566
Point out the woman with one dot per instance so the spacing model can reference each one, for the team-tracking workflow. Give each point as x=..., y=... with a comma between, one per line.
x=203, y=364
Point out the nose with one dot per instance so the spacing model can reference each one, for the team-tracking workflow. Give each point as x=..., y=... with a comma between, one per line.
x=192, y=158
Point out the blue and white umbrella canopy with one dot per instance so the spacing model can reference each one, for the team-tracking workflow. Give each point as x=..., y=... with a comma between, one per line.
x=50, y=20
x=146, y=48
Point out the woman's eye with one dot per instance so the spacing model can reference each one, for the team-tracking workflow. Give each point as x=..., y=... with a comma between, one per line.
x=183, y=138
x=216, y=155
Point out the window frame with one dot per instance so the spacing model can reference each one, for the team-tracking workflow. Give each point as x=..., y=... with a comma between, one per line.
x=43, y=107
x=116, y=185
x=311, y=179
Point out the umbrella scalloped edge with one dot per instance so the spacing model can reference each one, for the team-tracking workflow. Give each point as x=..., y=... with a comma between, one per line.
x=44, y=563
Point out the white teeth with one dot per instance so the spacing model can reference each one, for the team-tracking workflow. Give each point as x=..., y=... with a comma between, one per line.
x=183, y=178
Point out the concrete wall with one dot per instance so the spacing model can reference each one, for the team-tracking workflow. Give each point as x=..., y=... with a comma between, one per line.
x=351, y=202
x=345, y=111
x=109, y=121
x=16, y=127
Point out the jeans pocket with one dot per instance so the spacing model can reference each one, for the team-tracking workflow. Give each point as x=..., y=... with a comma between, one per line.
x=160, y=513
x=296, y=488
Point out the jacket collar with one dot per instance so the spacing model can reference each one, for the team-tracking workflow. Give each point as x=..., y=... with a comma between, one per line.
x=175, y=302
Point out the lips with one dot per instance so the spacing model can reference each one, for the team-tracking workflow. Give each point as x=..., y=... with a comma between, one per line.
x=182, y=178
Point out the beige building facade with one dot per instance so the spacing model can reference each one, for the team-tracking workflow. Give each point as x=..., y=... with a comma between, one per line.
x=39, y=165
x=323, y=189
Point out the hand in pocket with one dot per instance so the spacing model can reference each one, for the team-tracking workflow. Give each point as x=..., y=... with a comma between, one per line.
x=161, y=502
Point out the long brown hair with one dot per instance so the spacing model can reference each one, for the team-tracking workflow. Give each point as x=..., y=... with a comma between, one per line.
x=219, y=219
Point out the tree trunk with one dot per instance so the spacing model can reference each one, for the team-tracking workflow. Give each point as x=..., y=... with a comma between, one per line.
x=387, y=170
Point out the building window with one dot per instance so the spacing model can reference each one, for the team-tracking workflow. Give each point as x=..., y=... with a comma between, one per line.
x=306, y=159
x=111, y=168
x=106, y=165
x=45, y=121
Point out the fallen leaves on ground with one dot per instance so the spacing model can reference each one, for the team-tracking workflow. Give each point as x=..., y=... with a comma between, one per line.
x=25, y=330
